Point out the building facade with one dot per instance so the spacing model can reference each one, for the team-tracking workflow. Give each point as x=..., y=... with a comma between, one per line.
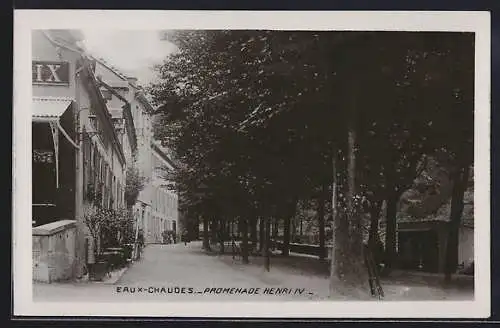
x=77, y=151
x=163, y=214
x=156, y=209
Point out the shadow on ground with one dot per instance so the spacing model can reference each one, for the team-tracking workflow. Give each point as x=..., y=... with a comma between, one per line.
x=311, y=266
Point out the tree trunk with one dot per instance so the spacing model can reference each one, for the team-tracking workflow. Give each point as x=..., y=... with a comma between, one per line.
x=374, y=220
x=244, y=244
x=221, y=235
x=390, y=232
x=267, y=247
x=321, y=222
x=300, y=228
x=262, y=235
x=334, y=216
x=206, y=241
x=289, y=215
x=349, y=276
x=373, y=236
x=286, y=237
x=213, y=231
x=227, y=224
x=460, y=179
x=253, y=232
x=275, y=233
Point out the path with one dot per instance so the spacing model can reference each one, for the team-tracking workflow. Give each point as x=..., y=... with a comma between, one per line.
x=181, y=273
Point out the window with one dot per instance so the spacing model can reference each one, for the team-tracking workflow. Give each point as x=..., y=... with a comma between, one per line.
x=106, y=94
x=115, y=192
x=164, y=200
x=119, y=194
x=157, y=200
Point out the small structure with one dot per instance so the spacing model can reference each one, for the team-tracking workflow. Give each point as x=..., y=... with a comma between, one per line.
x=422, y=240
x=54, y=251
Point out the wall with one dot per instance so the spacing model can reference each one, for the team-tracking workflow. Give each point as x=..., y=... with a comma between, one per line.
x=465, y=245
x=164, y=203
x=43, y=50
x=84, y=105
x=53, y=251
x=163, y=214
x=156, y=208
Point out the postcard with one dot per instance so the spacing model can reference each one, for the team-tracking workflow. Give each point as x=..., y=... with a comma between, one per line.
x=251, y=164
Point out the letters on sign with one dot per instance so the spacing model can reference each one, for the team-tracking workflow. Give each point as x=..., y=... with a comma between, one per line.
x=44, y=72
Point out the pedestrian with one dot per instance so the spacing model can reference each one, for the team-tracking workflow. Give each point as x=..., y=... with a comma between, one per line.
x=185, y=237
x=140, y=243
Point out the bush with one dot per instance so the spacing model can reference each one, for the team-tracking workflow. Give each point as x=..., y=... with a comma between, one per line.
x=169, y=236
x=134, y=184
x=119, y=228
x=127, y=251
x=114, y=258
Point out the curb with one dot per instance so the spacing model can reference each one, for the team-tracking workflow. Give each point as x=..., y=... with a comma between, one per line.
x=116, y=275
x=114, y=279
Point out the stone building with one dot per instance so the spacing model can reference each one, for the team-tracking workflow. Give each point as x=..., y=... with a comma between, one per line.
x=156, y=206
x=163, y=215
x=77, y=146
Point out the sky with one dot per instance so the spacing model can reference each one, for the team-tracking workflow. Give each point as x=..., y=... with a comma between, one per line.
x=132, y=52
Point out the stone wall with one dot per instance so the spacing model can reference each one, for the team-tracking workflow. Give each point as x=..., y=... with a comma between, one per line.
x=54, y=256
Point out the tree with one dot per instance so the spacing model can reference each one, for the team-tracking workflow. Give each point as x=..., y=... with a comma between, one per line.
x=95, y=217
x=118, y=228
x=321, y=221
x=258, y=117
x=134, y=184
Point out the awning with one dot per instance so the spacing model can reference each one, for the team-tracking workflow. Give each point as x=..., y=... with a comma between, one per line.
x=49, y=108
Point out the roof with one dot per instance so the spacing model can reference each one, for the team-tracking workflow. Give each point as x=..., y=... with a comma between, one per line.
x=112, y=68
x=50, y=107
x=69, y=39
x=162, y=153
x=126, y=112
x=54, y=227
x=127, y=80
x=119, y=84
x=116, y=112
x=94, y=90
x=142, y=98
x=443, y=213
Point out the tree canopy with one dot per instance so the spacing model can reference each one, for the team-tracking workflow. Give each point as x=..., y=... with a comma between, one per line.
x=260, y=119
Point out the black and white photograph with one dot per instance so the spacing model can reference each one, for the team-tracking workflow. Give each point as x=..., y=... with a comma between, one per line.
x=222, y=164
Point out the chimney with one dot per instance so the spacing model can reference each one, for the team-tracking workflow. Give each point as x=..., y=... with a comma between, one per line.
x=68, y=36
x=132, y=80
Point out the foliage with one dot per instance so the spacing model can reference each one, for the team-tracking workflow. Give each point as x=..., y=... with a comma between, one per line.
x=134, y=184
x=119, y=228
x=259, y=119
x=95, y=217
x=169, y=235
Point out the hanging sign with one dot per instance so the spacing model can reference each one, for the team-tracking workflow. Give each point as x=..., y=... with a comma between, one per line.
x=51, y=73
x=43, y=156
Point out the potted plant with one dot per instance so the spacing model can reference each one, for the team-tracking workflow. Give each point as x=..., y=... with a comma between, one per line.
x=123, y=232
x=165, y=236
x=94, y=217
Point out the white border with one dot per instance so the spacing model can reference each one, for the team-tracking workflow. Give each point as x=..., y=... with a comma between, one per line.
x=26, y=20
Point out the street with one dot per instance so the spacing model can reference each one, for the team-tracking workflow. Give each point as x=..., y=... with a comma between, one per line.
x=183, y=273
x=178, y=272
